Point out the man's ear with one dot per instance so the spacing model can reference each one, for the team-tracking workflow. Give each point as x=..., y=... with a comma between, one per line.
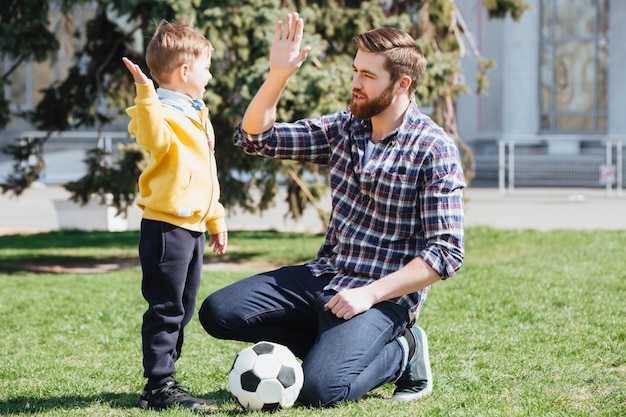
x=404, y=84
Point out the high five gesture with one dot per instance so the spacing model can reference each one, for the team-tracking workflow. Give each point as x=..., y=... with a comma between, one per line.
x=286, y=56
x=285, y=59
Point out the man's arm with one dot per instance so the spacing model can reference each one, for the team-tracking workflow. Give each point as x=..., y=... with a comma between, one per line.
x=412, y=277
x=443, y=255
x=285, y=59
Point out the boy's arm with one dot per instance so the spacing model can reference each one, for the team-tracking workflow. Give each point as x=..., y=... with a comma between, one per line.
x=285, y=59
x=216, y=226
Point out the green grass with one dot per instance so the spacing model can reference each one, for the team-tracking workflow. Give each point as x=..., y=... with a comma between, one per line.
x=533, y=325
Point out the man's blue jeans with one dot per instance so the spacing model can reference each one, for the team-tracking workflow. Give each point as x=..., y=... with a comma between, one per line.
x=342, y=359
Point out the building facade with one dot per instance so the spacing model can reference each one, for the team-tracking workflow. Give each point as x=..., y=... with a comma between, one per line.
x=557, y=92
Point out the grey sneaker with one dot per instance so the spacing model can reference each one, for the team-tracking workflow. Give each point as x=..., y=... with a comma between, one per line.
x=169, y=395
x=417, y=380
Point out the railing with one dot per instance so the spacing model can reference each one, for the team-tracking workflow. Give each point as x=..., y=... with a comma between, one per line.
x=561, y=161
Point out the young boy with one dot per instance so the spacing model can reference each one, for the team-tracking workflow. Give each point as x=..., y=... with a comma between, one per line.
x=179, y=196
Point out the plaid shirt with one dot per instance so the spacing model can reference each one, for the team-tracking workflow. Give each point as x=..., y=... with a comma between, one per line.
x=406, y=202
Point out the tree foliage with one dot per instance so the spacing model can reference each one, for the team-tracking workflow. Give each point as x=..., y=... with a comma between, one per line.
x=113, y=183
x=19, y=21
x=97, y=87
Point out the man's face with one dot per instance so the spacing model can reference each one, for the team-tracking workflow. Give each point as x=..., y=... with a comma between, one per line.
x=371, y=106
x=372, y=89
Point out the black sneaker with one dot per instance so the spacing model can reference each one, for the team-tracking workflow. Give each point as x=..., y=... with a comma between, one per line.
x=417, y=380
x=142, y=402
x=169, y=395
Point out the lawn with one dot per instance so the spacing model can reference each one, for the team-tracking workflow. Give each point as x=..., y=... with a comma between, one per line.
x=533, y=325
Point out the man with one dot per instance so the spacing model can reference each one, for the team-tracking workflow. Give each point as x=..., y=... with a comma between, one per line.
x=396, y=227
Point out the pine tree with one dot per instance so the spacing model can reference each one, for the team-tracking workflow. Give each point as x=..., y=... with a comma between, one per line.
x=241, y=32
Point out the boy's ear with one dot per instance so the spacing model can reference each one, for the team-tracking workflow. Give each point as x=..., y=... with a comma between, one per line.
x=181, y=72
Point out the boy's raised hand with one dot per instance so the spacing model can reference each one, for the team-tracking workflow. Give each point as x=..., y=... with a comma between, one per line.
x=138, y=75
x=286, y=56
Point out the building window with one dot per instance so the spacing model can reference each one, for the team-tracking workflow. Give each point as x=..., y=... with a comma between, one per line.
x=574, y=65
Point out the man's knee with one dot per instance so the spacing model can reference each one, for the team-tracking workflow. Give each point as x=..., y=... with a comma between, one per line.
x=210, y=317
x=318, y=393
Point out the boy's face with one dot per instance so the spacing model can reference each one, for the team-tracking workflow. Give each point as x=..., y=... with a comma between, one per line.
x=198, y=74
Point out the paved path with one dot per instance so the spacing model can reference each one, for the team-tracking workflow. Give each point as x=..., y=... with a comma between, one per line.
x=545, y=209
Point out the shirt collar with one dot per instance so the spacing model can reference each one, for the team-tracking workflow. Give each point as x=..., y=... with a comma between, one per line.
x=180, y=102
x=411, y=117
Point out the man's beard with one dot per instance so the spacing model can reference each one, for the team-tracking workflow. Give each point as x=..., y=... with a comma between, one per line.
x=370, y=108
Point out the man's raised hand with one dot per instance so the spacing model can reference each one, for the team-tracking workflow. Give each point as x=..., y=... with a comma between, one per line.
x=286, y=56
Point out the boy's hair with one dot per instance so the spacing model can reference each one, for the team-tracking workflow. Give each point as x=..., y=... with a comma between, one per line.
x=172, y=45
x=402, y=54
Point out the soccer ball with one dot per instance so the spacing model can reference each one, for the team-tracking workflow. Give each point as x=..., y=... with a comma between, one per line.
x=266, y=376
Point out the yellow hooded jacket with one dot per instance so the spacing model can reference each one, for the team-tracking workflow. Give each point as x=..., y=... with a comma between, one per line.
x=180, y=185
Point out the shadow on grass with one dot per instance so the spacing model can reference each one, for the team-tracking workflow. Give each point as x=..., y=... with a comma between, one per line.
x=74, y=251
x=66, y=265
x=74, y=404
x=67, y=239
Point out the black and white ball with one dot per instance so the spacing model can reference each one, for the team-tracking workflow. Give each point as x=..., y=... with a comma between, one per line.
x=266, y=376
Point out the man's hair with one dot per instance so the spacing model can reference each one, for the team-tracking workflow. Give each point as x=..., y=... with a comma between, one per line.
x=172, y=45
x=402, y=55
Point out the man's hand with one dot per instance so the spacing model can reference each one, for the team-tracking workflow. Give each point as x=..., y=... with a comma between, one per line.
x=286, y=56
x=347, y=304
x=412, y=277
x=219, y=242
x=137, y=73
x=285, y=59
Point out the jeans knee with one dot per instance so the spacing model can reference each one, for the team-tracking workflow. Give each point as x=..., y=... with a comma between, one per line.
x=209, y=316
x=320, y=394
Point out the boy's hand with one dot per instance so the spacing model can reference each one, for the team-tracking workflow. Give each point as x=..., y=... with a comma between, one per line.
x=219, y=242
x=138, y=75
x=286, y=56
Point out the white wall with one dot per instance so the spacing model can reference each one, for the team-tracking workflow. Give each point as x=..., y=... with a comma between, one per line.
x=512, y=103
x=617, y=68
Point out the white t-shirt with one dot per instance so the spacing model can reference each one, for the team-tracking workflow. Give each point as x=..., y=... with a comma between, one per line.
x=368, y=151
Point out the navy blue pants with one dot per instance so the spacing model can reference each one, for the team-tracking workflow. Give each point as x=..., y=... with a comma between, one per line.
x=171, y=262
x=342, y=359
